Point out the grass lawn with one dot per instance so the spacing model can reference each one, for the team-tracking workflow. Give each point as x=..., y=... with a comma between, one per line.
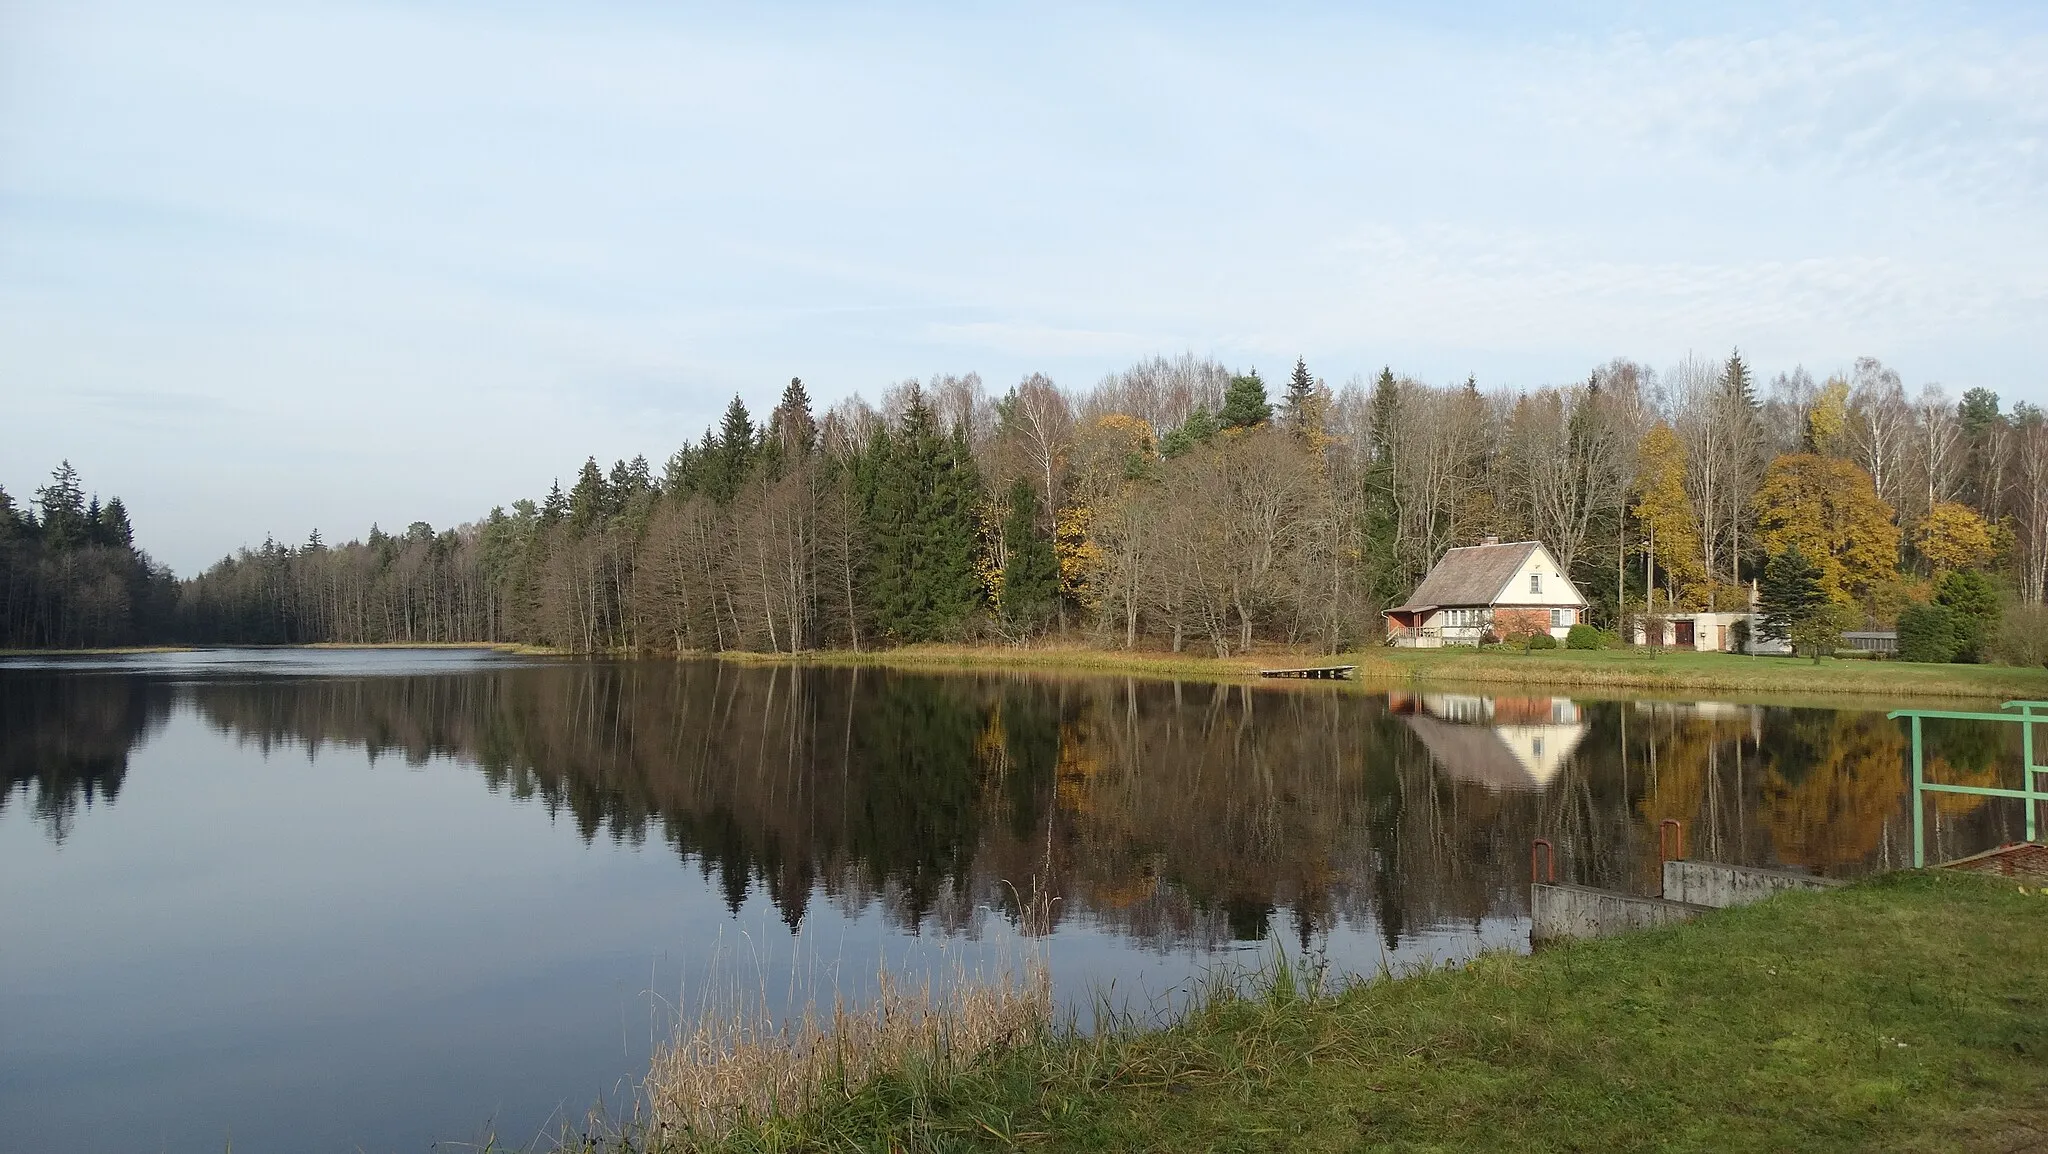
x=1907, y=1013
x=1724, y=674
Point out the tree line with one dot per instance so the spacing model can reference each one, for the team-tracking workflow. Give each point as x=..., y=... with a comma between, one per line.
x=1179, y=503
x=71, y=576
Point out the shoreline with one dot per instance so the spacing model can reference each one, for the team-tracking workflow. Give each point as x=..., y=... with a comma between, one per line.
x=1901, y=1012
x=1727, y=676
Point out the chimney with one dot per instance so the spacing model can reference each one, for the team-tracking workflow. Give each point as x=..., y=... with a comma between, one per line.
x=1489, y=539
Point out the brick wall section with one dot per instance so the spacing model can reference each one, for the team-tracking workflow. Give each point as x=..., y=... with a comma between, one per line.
x=1520, y=622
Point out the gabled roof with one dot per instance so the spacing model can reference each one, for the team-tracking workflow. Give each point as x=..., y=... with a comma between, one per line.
x=1471, y=575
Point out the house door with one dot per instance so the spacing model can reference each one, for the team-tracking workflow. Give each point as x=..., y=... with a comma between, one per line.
x=1684, y=638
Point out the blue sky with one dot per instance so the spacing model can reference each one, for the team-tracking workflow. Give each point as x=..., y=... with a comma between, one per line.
x=275, y=266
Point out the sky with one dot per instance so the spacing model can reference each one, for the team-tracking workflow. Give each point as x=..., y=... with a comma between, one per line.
x=267, y=268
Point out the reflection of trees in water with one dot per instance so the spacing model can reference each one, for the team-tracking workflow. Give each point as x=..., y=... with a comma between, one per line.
x=1174, y=813
x=65, y=740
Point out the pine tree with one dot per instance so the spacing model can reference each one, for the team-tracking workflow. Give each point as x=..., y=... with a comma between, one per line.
x=729, y=456
x=921, y=489
x=1793, y=606
x=589, y=499
x=1244, y=402
x=115, y=526
x=1738, y=383
x=791, y=426
x=552, y=510
x=1380, y=531
x=1198, y=429
x=1299, y=407
x=63, y=504
x=1031, y=578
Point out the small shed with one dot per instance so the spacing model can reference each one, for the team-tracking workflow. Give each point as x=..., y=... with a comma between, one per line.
x=1504, y=590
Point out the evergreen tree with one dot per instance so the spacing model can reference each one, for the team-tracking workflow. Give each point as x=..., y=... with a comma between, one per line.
x=922, y=489
x=1198, y=429
x=1300, y=404
x=730, y=455
x=1793, y=606
x=63, y=505
x=1031, y=571
x=114, y=524
x=552, y=510
x=1973, y=600
x=589, y=499
x=1244, y=402
x=1737, y=381
x=791, y=426
x=1381, y=528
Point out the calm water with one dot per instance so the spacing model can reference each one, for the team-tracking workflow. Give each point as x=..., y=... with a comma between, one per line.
x=330, y=901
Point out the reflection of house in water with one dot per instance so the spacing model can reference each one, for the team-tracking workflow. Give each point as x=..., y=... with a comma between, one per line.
x=1497, y=742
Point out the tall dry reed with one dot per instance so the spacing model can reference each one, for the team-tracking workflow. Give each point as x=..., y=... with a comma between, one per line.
x=740, y=1067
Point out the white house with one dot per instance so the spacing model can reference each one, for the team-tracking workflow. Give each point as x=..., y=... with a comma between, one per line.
x=1506, y=590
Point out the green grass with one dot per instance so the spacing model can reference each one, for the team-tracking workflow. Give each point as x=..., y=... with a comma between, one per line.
x=1908, y=1013
x=1725, y=674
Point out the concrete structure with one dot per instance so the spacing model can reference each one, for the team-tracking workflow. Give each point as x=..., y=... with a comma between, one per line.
x=1487, y=590
x=1562, y=912
x=1705, y=632
x=1704, y=883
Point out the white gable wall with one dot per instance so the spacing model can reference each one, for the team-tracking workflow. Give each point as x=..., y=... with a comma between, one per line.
x=1557, y=588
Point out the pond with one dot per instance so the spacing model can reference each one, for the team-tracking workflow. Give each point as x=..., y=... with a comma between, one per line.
x=340, y=900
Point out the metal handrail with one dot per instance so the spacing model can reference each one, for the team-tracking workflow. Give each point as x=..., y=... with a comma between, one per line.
x=2027, y=714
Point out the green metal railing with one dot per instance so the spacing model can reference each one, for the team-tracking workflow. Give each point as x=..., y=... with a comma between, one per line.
x=2026, y=714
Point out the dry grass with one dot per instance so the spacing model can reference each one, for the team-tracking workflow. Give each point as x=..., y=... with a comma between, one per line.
x=741, y=1068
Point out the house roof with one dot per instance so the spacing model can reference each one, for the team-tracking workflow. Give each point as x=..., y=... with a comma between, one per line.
x=1471, y=575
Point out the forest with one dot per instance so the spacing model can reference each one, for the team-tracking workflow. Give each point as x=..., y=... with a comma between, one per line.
x=1175, y=504
x=71, y=576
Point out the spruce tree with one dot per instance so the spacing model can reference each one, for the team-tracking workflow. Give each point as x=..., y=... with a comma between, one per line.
x=921, y=489
x=1971, y=597
x=791, y=426
x=730, y=455
x=1198, y=429
x=1244, y=402
x=1381, y=527
x=588, y=498
x=1736, y=379
x=1298, y=406
x=1031, y=571
x=1793, y=607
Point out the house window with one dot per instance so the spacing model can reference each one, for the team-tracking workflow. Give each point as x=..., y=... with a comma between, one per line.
x=1559, y=618
x=1535, y=582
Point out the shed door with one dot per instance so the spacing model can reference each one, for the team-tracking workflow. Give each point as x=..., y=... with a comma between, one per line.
x=1684, y=634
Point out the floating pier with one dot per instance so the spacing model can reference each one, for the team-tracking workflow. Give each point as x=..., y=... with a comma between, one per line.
x=1318, y=673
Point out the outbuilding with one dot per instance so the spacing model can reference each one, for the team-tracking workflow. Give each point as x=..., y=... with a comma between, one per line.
x=1489, y=589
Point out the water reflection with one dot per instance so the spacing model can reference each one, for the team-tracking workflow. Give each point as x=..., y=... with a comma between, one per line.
x=275, y=919
x=1176, y=814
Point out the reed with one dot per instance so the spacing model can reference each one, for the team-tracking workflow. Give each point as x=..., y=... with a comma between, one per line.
x=743, y=1070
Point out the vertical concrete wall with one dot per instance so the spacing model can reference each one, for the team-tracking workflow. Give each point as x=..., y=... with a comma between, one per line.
x=1720, y=886
x=1558, y=912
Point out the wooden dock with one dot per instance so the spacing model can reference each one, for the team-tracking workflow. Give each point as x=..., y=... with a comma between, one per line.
x=1319, y=673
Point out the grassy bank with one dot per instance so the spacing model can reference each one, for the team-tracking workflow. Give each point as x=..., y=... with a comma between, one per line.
x=1724, y=674
x=1908, y=1013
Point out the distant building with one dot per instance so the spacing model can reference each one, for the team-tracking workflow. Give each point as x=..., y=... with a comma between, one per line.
x=1713, y=632
x=1493, y=589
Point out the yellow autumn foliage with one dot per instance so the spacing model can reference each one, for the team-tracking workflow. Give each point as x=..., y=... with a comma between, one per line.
x=1829, y=509
x=1953, y=536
